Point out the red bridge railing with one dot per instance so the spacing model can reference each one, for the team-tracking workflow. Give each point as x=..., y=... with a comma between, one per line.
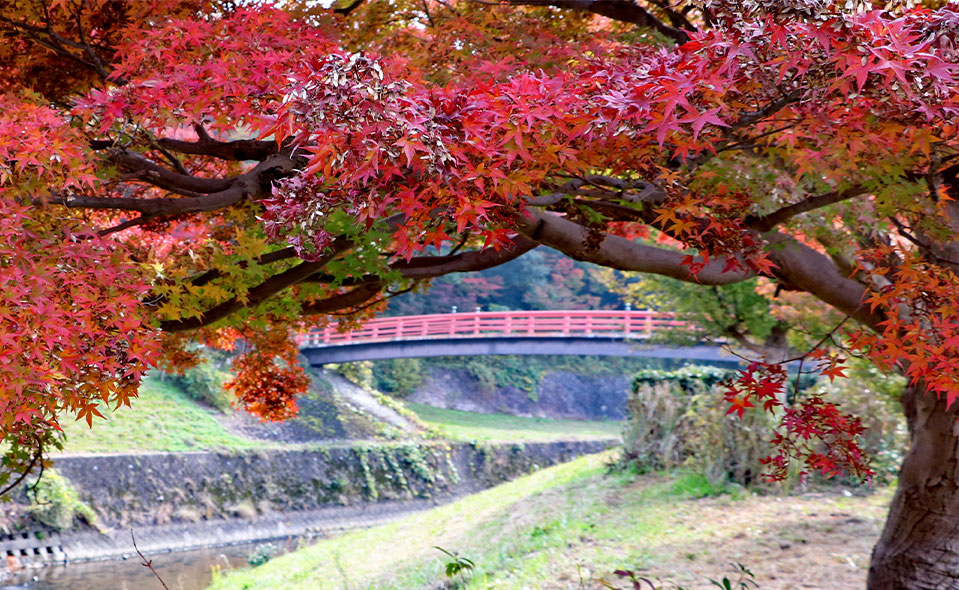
x=624, y=324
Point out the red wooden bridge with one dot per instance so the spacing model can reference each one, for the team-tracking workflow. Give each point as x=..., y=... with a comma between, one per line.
x=603, y=333
x=493, y=324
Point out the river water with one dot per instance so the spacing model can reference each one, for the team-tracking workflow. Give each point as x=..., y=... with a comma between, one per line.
x=183, y=570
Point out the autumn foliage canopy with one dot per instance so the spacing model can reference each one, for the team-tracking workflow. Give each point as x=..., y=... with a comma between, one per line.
x=187, y=172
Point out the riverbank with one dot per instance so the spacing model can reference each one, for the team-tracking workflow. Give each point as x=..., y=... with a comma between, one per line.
x=573, y=525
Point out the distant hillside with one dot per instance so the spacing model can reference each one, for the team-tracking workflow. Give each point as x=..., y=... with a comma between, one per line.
x=557, y=387
x=541, y=279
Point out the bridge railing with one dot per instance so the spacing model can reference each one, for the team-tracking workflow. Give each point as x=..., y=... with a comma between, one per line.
x=639, y=324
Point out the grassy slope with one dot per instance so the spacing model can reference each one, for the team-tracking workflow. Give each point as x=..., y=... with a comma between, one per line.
x=468, y=426
x=162, y=419
x=570, y=525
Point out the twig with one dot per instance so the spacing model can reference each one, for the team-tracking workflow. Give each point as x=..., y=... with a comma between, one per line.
x=148, y=563
x=33, y=462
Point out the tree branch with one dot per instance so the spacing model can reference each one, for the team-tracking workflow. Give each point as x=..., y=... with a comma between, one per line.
x=144, y=169
x=577, y=242
x=253, y=184
x=358, y=296
x=767, y=222
x=260, y=293
x=423, y=267
x=625, y=11
x=238, y=150
x=797, y=264
x=268, y=258
x=156, y=207
x=125, y=225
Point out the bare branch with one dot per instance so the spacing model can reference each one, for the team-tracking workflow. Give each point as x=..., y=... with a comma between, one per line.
x=147, y=563
x=433, y=266
x=358, y=296
x=37, y=458
x=767, y=222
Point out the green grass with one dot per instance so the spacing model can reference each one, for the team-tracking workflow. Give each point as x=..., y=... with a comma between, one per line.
x=402, y=552
x=162, y=419
x=470, y=426
x=519, y=535
x=572, y=525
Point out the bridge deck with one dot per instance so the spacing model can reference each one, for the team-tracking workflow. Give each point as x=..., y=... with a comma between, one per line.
x=621, y=324
x=600, y=333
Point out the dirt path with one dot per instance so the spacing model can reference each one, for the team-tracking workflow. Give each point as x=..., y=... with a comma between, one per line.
x=820, y=542
x=364, y=400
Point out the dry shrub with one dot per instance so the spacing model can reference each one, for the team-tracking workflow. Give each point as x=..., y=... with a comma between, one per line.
x=678, y=418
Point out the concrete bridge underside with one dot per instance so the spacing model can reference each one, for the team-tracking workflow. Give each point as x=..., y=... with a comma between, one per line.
x=513, y=345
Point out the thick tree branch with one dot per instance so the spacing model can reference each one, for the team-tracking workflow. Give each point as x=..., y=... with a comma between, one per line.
x=238, y=150
x=625, y=11
x=146, y=170
x=254, y=184
x=676, y=18
x=816, y=274
x=615, y=252
x=798, y=264
x=158, y=207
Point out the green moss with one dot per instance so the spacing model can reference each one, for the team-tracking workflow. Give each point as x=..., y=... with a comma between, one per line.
x=369, y=482
x=55, y=503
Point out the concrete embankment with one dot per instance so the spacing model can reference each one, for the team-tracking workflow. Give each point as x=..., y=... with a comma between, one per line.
x=181, y=501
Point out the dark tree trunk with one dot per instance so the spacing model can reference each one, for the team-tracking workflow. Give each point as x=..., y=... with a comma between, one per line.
x=919, y=546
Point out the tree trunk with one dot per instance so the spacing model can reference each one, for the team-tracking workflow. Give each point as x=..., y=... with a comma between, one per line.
x=919, y=546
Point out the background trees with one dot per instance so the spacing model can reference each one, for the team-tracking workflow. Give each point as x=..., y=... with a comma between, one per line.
x=211, y=173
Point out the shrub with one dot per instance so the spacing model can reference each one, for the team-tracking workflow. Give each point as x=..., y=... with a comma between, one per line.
x=56, y=503
x=359, y=372
x=399, y=377
x=204, y=383
x=262, y=554
x=679, y=418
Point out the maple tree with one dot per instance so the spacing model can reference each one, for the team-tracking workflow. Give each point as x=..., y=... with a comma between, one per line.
x=190, y=171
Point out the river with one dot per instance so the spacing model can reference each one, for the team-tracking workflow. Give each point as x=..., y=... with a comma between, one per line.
x=183, y=570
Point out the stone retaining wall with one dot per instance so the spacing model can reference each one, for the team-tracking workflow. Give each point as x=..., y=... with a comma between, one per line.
x=179, y=501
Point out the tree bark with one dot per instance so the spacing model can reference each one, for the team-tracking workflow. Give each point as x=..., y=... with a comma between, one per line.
x=919, y=546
